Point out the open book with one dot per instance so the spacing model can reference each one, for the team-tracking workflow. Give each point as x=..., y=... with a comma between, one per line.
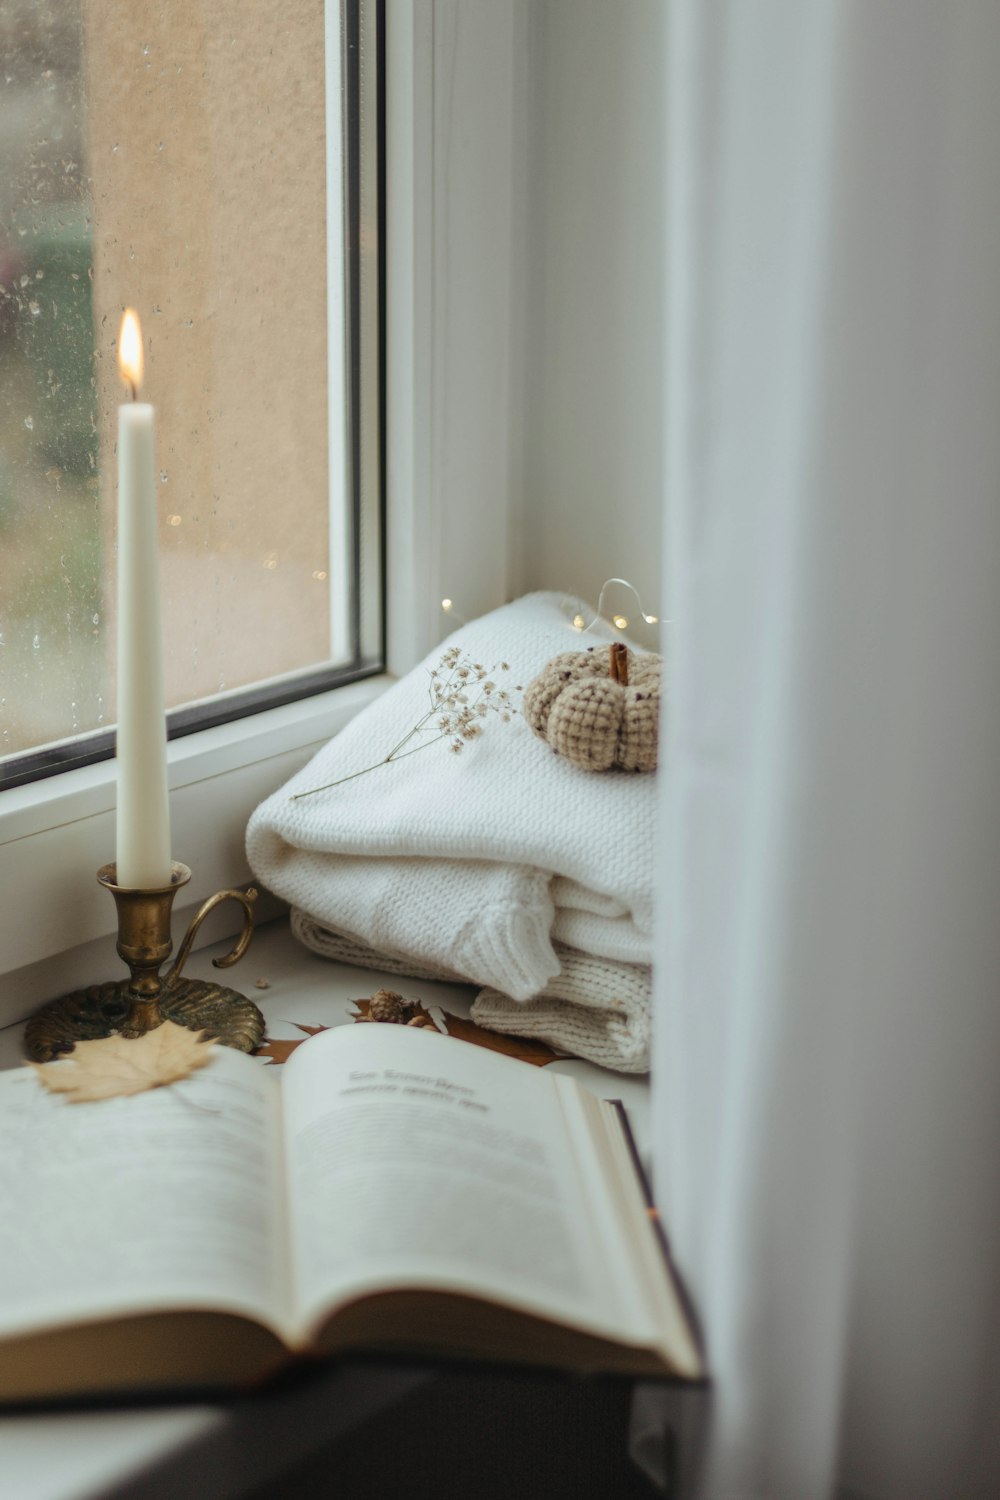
x=396, y=1192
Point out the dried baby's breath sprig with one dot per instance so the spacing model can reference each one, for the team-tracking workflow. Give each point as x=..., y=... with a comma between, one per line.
x=461, y=694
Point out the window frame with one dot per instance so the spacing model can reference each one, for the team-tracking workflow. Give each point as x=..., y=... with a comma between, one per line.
x=355, y=215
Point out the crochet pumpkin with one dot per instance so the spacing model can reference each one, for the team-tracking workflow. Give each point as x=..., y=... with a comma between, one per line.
x=599, y=708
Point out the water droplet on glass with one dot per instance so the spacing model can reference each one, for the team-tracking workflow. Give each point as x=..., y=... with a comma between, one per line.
x=145, y=49
x=114, y=148
x=189, y=322
x=29, y=422
x=36, y=643
x=163, y=476
x=39, y=275
x=34, y=308
x=96, y=619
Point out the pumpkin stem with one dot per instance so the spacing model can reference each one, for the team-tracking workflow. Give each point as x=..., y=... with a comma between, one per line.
x=619, y=663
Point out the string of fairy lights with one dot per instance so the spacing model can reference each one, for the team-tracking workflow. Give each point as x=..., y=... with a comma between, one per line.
x=575, y=618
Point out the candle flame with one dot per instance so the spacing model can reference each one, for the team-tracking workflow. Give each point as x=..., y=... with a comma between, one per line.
x=130, y=350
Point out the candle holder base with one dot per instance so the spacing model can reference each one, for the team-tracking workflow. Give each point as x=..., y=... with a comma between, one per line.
x=130, y=1007
x=101, y=1010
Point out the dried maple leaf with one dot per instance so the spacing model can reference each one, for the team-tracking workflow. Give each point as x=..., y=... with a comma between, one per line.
x=523, y=1047
x=281, y=1051
x=115, y=1065
x=526, y=1049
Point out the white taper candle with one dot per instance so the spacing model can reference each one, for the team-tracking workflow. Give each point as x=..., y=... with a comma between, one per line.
x=143, y=822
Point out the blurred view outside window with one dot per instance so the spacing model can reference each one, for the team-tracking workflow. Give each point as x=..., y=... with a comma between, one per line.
x=168, y=155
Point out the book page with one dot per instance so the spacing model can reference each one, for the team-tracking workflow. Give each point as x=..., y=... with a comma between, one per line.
x=414, y=1160
x=170, y=1198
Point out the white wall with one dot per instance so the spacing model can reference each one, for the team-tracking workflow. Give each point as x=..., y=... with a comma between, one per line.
x=587, y=377
x=526, y=192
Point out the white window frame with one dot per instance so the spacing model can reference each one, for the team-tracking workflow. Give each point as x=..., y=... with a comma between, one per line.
x=336, y=384
x=451, y=527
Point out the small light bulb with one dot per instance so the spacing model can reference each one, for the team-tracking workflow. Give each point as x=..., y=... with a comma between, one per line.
x=651, y=619
x=447, y=604
x=578, y=622
x=621, y=622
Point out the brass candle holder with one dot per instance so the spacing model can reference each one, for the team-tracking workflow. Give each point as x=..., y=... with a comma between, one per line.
x=142, y=1002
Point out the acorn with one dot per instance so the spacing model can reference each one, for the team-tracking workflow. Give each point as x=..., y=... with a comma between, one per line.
x=387, y=1005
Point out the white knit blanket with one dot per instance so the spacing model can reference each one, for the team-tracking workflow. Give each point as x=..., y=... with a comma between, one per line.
x=486, y=865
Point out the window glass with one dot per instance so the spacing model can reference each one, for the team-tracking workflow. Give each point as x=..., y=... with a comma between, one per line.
x=173, y=157
x=53, y=631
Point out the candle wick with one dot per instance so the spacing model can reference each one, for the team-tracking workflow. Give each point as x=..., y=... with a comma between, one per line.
x=131, y=386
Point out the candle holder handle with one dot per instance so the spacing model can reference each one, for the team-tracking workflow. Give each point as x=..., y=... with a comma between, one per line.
x=245, y=899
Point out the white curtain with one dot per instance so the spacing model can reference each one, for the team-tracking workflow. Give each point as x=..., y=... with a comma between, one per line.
x=827, y=1068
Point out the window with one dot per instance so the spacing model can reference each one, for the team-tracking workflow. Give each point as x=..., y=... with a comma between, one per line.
x=221, y=172
x=56, y=830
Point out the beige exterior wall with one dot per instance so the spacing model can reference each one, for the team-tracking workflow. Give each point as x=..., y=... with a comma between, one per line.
x=206, y=152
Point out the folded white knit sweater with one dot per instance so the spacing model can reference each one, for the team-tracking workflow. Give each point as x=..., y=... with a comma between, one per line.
x=475, y=864
x=592, y=1008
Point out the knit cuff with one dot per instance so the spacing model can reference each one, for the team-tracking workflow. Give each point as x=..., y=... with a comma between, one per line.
x=617, y=1041
x=509, y=946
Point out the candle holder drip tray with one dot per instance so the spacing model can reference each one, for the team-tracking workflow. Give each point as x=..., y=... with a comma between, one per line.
x=132, y=1006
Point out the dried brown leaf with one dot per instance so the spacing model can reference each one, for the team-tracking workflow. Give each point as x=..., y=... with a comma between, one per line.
x=281, y=1051
x=115, y=1065
x=526, y=1049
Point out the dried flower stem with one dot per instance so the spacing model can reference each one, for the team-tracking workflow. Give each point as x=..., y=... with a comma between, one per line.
x=461, y=694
